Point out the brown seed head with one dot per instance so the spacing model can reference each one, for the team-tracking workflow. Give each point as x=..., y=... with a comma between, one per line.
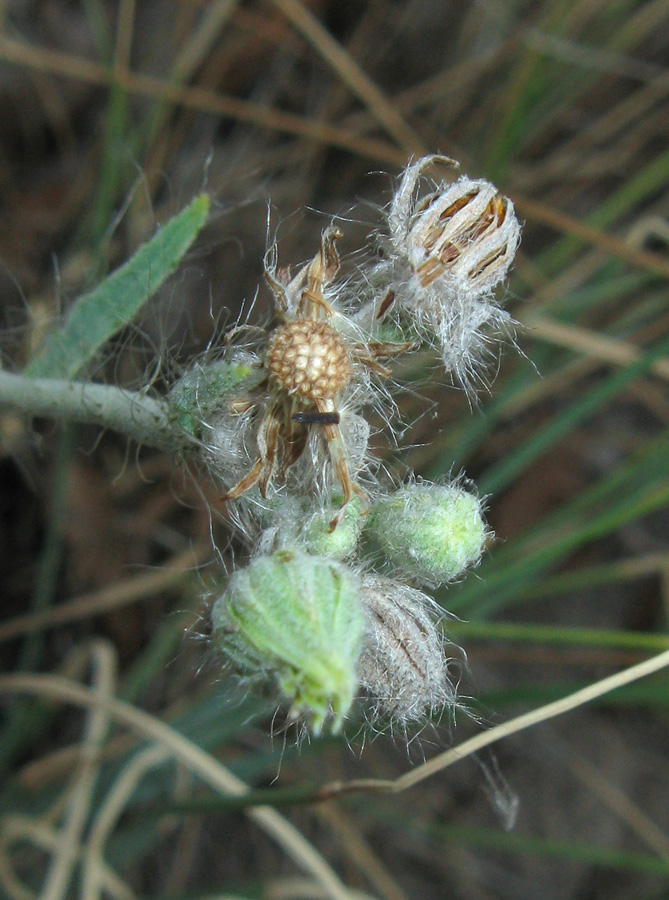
x=307, y=357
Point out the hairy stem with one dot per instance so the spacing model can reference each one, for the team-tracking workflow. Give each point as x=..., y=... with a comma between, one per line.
x=140, y=417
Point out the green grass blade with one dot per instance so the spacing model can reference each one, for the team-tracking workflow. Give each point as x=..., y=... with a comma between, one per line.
x=95, y=317
x=496, y=839
x=635, y=488
x=554, y=635
x=500, y=475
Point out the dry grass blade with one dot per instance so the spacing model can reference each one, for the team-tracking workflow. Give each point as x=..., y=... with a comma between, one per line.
x=599, y=346
x=381, y=108
x=192, y=757
x=506, y=729
x=141, y=587
x=611, y=244
x=198, y=99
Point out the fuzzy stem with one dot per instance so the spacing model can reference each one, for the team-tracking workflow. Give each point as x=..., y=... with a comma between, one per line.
x=140, y=417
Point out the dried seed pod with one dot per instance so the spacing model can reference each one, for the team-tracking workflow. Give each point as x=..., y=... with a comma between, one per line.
x=403, y=665
x=313, y=357
x=448, y=250
x=308, y=358
x=429, y=532
x=295, y=619
x=465, y=234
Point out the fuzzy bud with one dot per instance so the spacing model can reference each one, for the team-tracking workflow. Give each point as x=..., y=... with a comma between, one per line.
x=429, y=532
x=320, y=537
x=403, y=666
x=287, y=522
x=295, y=619
x=205, y=389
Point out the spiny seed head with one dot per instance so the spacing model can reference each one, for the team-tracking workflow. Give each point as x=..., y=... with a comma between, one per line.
x=429, y=532
x=307, y=357
x=402, y=666
x=295, y=619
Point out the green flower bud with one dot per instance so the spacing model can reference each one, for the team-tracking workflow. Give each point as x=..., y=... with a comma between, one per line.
x=289, y=521
x=319, y=537
x=203, y=390
x=429, y=532
x=295, y=619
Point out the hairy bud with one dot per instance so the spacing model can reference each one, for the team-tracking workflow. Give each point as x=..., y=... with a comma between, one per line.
x=296, y=620
x=403, y=666
x=204, y=390
x=429, y=532
x=288, y=522
x=336, y=543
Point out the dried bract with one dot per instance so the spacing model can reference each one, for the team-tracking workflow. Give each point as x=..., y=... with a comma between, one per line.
x=448, y=250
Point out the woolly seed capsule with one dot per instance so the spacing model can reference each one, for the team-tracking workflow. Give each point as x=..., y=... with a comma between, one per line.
x=403, y=666
x=295, y=619
x=447, y=251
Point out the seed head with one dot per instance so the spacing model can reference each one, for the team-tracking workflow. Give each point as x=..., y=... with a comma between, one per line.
x=308, y=358
x=448, y=250
x=465, y=234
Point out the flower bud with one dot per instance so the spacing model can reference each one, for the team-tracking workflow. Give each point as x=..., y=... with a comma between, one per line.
x=288, y=521
x=320, y=537
x=429, y=532
x=295, y=619
x=403, y=666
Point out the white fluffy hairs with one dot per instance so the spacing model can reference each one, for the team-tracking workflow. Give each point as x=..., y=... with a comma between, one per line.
x=403, y=667
x=446, y=251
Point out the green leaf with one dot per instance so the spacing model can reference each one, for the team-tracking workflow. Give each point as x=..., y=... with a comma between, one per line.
x=95, y=317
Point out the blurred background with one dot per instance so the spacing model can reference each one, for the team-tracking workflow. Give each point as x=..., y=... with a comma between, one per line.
x=113, y=115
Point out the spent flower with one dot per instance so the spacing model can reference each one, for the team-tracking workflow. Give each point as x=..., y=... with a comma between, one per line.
x=447, y=251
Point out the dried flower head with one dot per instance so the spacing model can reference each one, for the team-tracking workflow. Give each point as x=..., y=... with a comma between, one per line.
x=295, y=619
x=312, y=357
x=403, y=665
x=448, y=250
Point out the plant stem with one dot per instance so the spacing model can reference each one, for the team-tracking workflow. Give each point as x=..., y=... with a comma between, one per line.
x=144, y=419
